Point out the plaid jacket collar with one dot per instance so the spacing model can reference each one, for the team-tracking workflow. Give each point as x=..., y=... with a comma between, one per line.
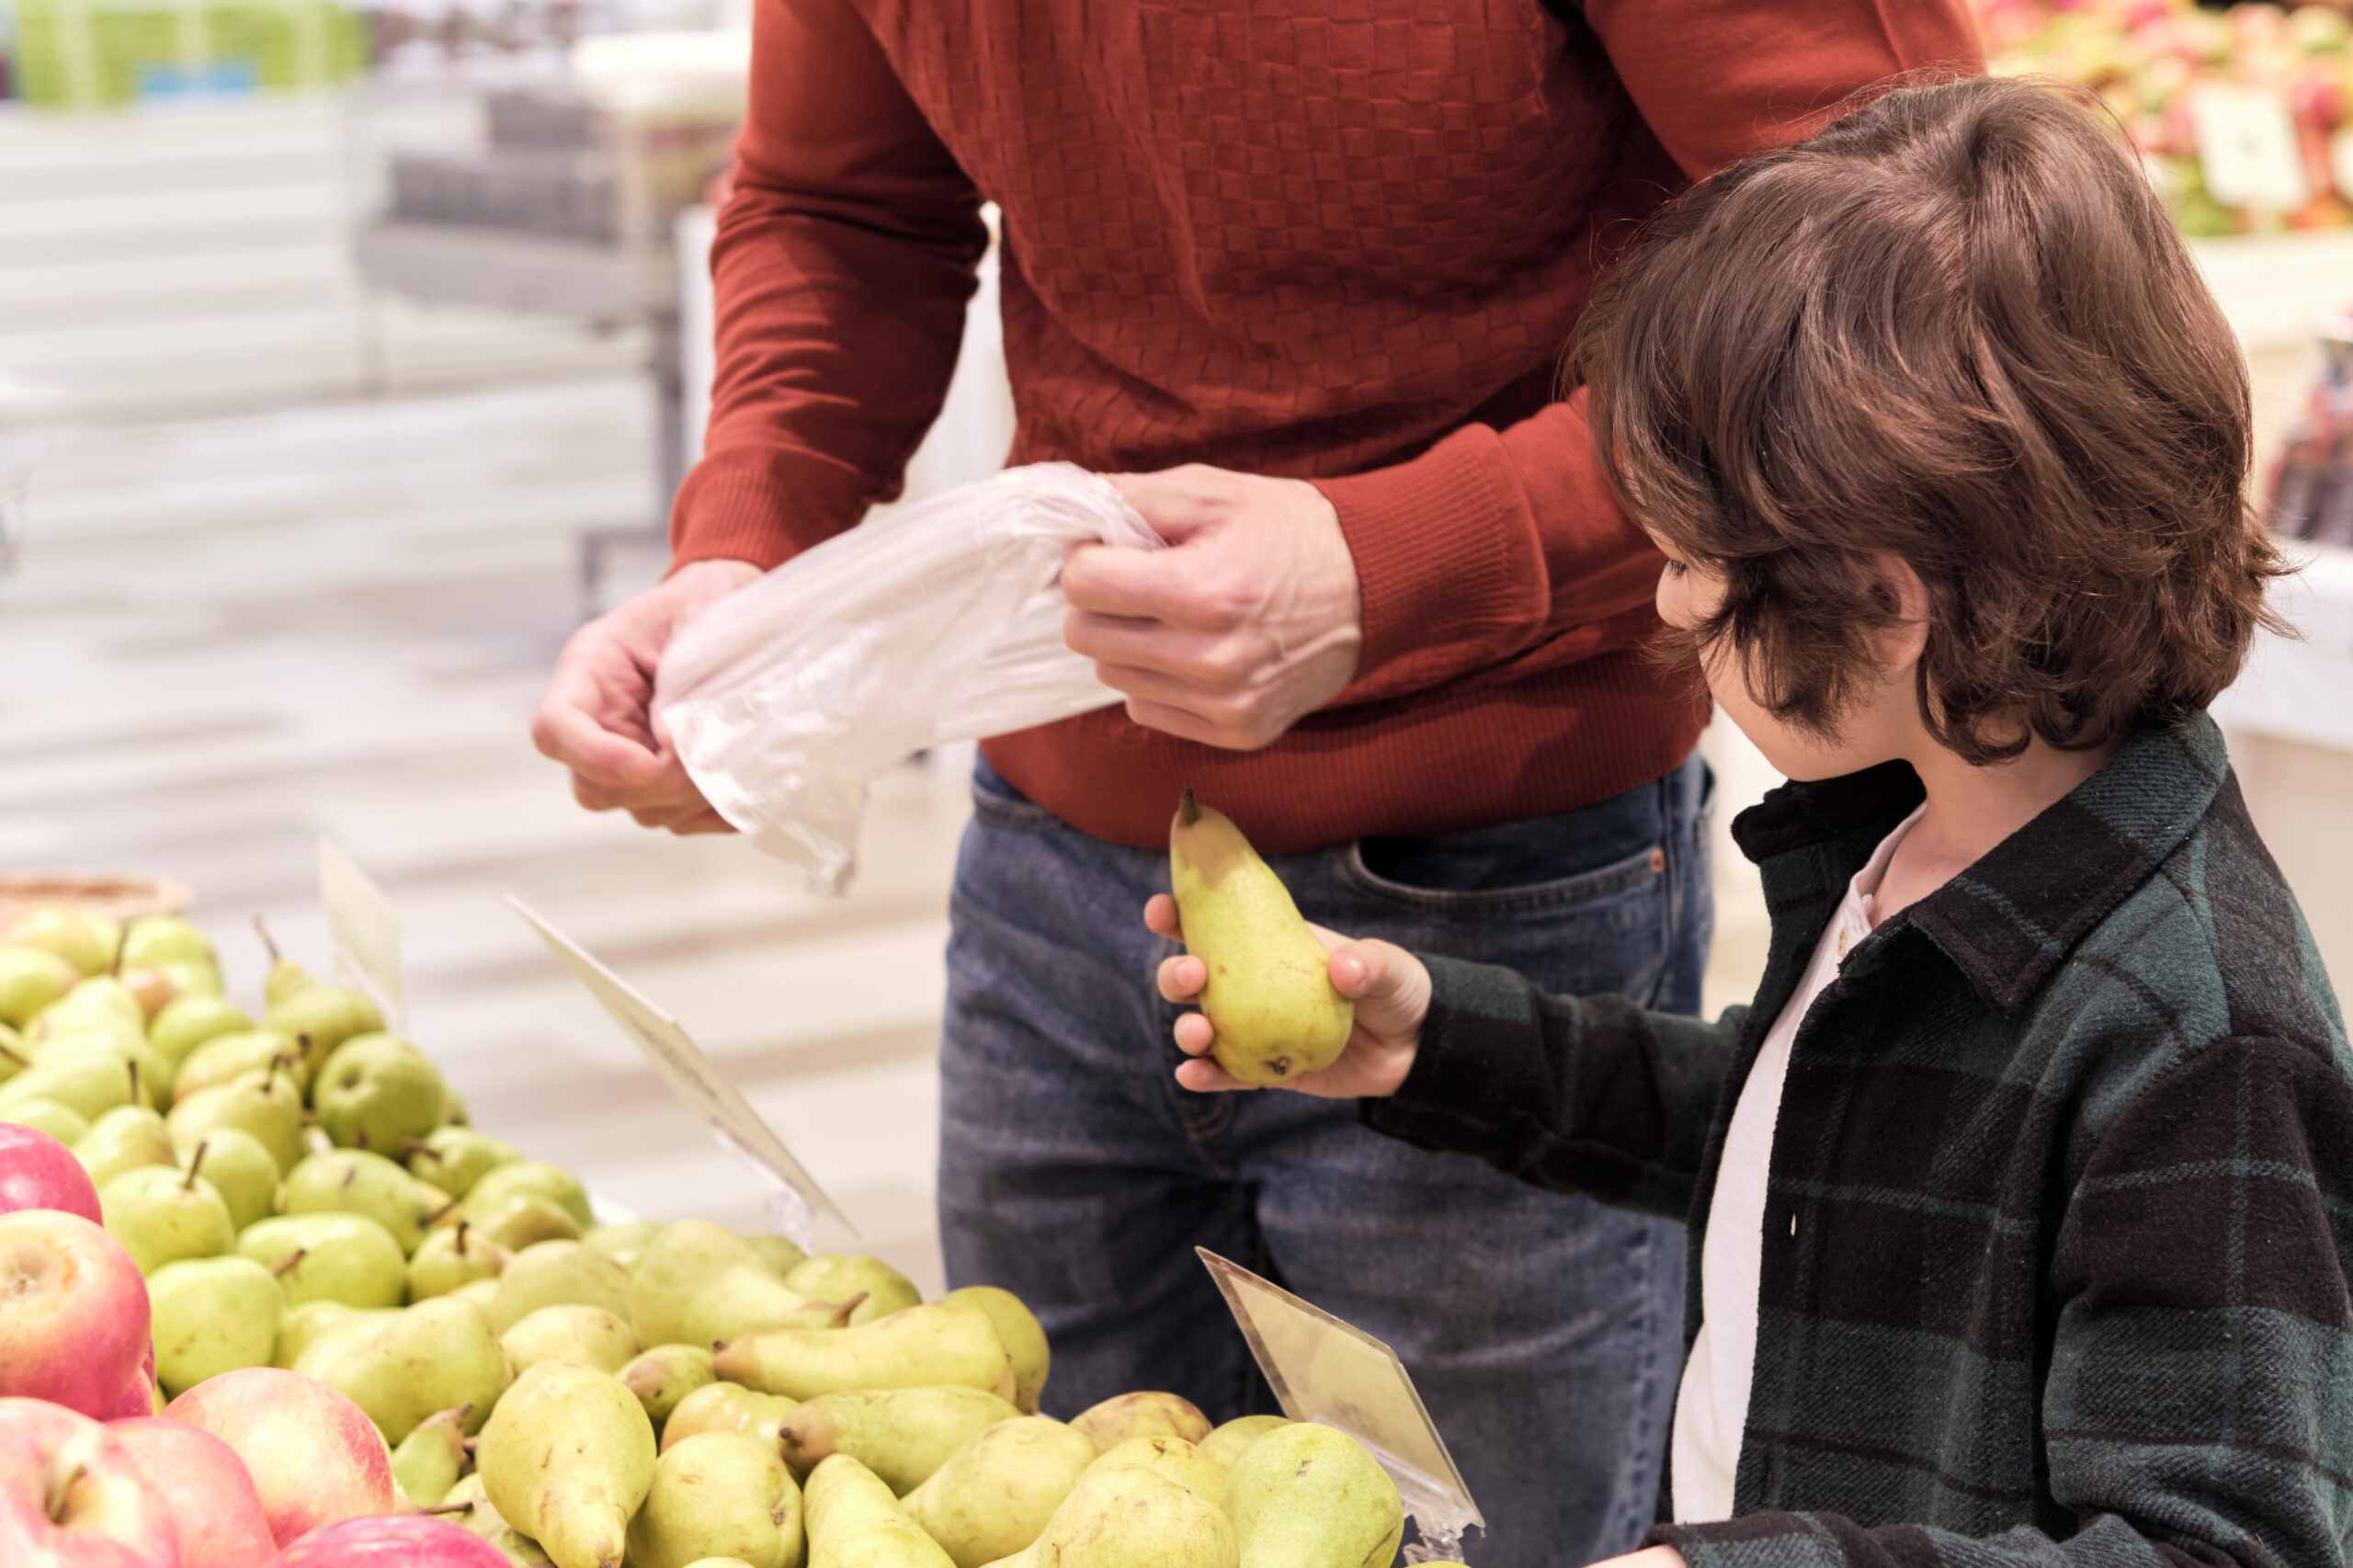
x=2012, y=918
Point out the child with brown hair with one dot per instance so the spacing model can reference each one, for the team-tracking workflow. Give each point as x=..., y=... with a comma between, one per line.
x=2021, y=1197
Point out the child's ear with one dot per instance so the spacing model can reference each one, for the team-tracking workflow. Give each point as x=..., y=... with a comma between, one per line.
x=1906, y=598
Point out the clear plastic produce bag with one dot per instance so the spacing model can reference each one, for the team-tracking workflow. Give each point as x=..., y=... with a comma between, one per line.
x=941, y=621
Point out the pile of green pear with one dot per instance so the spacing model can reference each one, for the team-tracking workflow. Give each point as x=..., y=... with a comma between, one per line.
x=303, y=1190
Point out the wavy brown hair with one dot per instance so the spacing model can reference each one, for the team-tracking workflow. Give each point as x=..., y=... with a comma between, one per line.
x=1956, y=325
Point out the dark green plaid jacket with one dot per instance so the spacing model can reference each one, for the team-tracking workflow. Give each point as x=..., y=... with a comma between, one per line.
x=2061, y=1204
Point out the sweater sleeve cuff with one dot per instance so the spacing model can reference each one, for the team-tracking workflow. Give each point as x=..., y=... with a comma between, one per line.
x=763, y=507
x=1771, y=1539
x=1450, y=1095
x=1449, y=570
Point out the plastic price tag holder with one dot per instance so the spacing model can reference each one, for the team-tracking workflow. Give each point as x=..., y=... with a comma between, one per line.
x=793, y=1196
x=364, y=930
x=2247, y=149
x=1324, y=1369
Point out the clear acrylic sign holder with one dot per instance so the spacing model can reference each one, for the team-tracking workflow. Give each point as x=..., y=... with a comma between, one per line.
x=1324, y=1369
x=793, y=1197
x=364, y=930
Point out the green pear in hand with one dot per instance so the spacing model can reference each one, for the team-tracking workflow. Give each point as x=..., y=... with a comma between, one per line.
x=947, y=1342
x=855, y=1522
x=902, y=1435
x=212, y=1315
x=1269, y=993
x=1310, y=1496
x=568, y=1458
x=719, y=1493
x=994, y=1495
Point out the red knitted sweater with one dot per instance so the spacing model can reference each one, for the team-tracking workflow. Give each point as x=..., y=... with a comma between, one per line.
x=1344, y=240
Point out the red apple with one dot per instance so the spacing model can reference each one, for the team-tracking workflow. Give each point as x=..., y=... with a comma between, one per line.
x=72, y=1496
x=140, y=1396
x=74, y=1324
x=214, y=1509
x=313, y=1458
x=38, y=1171
x=407, y=1541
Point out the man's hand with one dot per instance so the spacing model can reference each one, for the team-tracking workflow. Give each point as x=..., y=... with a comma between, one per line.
x=597, y=717
x=1250, y=622
x=1390, y=989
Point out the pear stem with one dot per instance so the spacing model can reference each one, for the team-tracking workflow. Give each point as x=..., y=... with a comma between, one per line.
x=19, y=1060
x=463, y=1226
x=290, y=1262
x=1187, y=813
x=450, y=1509
x=268, y=943
x=195, y=1161
x=442, y=1214
x=134, y=1080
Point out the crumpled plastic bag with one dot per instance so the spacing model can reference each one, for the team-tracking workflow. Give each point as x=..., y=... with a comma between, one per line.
x=940, y=621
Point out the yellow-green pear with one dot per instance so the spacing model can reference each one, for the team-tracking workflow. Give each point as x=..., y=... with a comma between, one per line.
x=1225, y=1444
x=522, y=1220
x=728, y=1407
x=87, y=941
x=467, y=1507
x=722, y=1562
x=89, y=1078
x=427, y=1464
x=902, y=1435
x=855, y=1522
x=188, y=1022
x=1116, y=1420
x=15, y=1055
x=1269, y=993
x=779, y=1253
x=162, y=1214
x=1025, y=1341
x=344, y=1258
x=100, y=1003
x=124, y=1139
x=30, y=980
x=568, y=1458
x=429, y=1357
x=47, y=1116
x=995, y=1495
x=718, y=1491
x=559, y=1273
x=454, y=1158
x=624, y=1243
x=186, y=978
x=948, y=1341
x=528, y=1178
x=1178, y=1459
x=229, y=1056
x=447, y=1259
x=664, y=1374
x=354, y=1181
x=151, y=939
x=321, y=1016
x=480, y=1292
x=211, y=1315
x=1131, y=1516
x=239, y=1170
x=1311, y=1496
x=700, y=1283
x=838, y=1276
x=378, y=1092
x=590, y=1336
x=302, y=1325
x=266, y=1106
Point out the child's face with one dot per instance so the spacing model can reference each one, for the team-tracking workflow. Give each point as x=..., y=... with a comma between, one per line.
x=1884, y=726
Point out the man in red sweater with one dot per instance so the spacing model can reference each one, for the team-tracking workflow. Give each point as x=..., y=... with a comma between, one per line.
x=1303, y=268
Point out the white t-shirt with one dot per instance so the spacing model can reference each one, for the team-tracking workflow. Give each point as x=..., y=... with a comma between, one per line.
x=1711, y=1410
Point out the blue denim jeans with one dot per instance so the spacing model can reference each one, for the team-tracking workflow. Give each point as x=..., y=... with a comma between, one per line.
x=1543, y=1332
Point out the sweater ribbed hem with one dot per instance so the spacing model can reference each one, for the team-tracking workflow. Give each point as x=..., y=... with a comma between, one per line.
x=1551, y=742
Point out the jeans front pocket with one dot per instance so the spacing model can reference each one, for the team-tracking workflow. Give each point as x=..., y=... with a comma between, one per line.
x=1640, y=869
x=999, y=804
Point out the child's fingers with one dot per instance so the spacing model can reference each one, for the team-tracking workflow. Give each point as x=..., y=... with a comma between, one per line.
x=1160, y=914
x=1360, y=970
x=1209, y=1078
x=1182, y=977
x=1194, y=1034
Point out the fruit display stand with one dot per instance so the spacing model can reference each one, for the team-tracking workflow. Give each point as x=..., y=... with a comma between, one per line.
x=387, y=1335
